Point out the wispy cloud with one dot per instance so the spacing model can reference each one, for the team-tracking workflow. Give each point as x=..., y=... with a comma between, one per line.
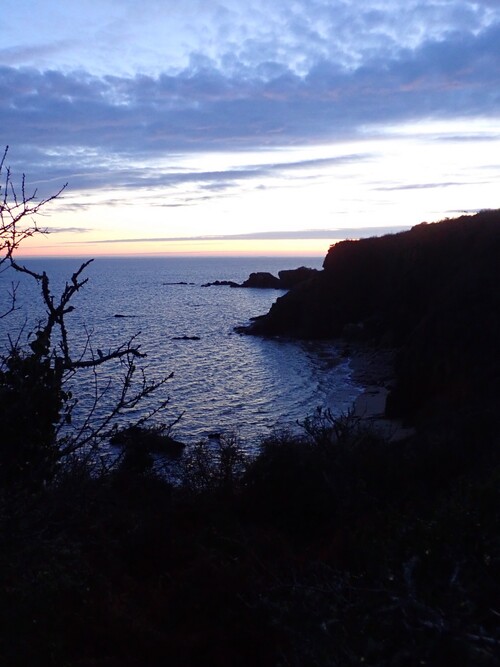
x=419, y=186
x=85, y=175
x=67, y=230
x=333, y=234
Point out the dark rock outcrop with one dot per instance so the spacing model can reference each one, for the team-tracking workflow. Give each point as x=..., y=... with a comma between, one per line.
x=262, y=280
x=290, y=278
x=147, y=440
x=222, y=283
x=431, y=291
x=186, y=338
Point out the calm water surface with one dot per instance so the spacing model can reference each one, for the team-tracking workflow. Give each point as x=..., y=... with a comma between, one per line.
x=220, y=382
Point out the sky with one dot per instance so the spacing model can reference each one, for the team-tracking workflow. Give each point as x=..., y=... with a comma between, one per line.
x=248, y=126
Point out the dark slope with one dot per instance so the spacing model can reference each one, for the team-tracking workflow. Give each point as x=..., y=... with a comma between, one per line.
x=433, y=292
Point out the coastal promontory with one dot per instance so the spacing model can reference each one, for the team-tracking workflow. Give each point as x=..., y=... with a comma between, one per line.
x=430, y=292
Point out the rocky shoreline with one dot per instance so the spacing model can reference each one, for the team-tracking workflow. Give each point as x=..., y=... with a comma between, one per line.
x=431, y=292
x=373, y=369
x=286, y=279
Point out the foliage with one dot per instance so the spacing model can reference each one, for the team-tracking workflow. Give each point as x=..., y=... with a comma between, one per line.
x=31, y=402
x=214, y=465
x=320, y=553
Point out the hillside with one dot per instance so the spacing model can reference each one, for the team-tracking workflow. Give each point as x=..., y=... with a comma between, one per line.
x=335, y=546
x=432, y=292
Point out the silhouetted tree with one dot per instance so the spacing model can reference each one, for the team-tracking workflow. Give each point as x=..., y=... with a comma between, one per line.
x=35, y=405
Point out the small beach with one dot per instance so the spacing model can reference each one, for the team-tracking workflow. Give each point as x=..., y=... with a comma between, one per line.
x=373, y=369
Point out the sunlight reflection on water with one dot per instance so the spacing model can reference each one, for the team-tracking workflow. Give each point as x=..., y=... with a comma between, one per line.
x=221, y=381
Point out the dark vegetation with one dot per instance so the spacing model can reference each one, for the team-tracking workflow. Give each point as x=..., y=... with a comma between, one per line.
x=431, y=292
x=334, y=548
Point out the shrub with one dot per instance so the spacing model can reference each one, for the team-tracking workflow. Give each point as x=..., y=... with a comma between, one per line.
x=214, y=466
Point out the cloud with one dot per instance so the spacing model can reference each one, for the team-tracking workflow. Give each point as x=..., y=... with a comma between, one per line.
x=66, y=230
x=332, y=234
x=129, y=36
x=342, y=72
x=469, y=137
x=201, y=108
x=32, y=52
x=419, y=186
x=85, y=172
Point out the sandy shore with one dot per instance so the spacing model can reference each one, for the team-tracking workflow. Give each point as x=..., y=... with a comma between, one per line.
x=373, y=369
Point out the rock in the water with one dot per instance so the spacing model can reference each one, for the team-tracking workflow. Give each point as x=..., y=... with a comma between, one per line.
x=222, y=283
x=265, y=280
x=150, y=440
x=262, y=280
x=186, y=338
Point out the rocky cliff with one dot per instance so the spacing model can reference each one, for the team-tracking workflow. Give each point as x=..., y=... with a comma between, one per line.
x=433, y=292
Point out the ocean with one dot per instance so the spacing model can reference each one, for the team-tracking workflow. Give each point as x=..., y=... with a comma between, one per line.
x=222, y=381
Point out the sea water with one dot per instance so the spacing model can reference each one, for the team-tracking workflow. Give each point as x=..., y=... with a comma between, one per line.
x=222, y=381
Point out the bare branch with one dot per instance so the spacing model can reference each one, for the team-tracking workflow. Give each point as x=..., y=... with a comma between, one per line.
x=12, y=299
x=17, y=213
x=39, y=379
